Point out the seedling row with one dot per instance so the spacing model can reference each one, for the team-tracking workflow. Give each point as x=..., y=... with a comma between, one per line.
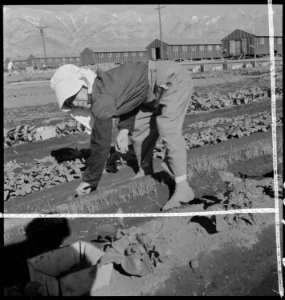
x=244, y=125
x=46, y=172
x=211, y=101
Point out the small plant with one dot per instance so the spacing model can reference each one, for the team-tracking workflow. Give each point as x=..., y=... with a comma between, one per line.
x=134, y=252
x=212, y=101
x=239, y=127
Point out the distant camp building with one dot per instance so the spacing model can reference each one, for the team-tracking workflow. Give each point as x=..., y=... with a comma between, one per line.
x=20, y=63
x=120, y=55
x=186, y=49
x=242, y=43
x=52, y=61
x=239, y=44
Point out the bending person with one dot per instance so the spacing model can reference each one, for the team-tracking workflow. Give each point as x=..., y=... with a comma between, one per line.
x=149, y=99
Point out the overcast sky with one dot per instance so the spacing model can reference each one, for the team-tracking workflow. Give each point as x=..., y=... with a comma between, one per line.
x=198, y=10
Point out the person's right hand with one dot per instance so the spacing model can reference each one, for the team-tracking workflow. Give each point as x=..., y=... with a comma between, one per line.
x=83, y=188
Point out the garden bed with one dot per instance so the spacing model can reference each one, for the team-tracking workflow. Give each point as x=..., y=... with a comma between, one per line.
x=214, y=255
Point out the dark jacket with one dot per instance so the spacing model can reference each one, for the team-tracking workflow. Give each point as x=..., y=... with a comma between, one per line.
x=116, y=93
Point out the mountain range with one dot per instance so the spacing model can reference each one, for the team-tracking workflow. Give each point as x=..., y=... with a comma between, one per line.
x=69, y=33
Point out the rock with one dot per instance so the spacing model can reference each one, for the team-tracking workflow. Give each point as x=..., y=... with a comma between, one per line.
x=194, y=264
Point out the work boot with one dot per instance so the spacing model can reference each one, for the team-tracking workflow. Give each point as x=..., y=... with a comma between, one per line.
x=183, y=194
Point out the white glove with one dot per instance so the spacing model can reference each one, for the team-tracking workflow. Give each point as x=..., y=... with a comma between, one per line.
x=122, y=141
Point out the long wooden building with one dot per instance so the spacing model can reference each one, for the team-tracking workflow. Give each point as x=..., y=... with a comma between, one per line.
x=19, y=63
x=112, y=55
x=178, y=49
x=241, y=42
x=39, y=62
x=52, y=61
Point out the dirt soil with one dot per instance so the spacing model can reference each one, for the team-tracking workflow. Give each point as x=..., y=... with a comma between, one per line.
x=231, y=265
x=197, y=258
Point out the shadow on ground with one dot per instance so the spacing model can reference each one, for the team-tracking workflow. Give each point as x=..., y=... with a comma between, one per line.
x=42, y=235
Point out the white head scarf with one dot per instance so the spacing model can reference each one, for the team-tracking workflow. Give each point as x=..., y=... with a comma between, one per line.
x=67, y=81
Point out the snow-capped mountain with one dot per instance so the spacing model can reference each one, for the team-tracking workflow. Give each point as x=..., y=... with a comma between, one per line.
x=89, y=26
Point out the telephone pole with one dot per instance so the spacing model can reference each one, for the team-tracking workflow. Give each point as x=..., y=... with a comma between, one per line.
x=160, y=31
x=42, y=34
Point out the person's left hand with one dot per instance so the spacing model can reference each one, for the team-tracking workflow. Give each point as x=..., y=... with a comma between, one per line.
x=84, y=188
x=122, y=141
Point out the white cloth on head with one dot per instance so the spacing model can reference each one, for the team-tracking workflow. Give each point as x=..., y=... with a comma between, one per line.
x=68, y=80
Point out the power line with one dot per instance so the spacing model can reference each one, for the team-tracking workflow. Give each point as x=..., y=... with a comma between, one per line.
x=42, y=34
x=160, y=31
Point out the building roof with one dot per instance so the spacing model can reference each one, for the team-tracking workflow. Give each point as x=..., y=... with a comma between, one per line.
x=191, y=41
x=118, y=49
x=19, y=58
x=265, y=32
x=257, y=32
x=260, y=32
x=55, y=55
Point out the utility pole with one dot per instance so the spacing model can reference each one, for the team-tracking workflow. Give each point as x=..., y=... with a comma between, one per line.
x=254, y=41
x=42, y=34
x=160, y=31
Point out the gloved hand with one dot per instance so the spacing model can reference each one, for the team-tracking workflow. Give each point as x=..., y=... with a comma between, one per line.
x=122, y=141
x=84, y=188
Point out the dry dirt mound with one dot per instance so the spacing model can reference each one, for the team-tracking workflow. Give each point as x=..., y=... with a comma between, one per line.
x=178, y=243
